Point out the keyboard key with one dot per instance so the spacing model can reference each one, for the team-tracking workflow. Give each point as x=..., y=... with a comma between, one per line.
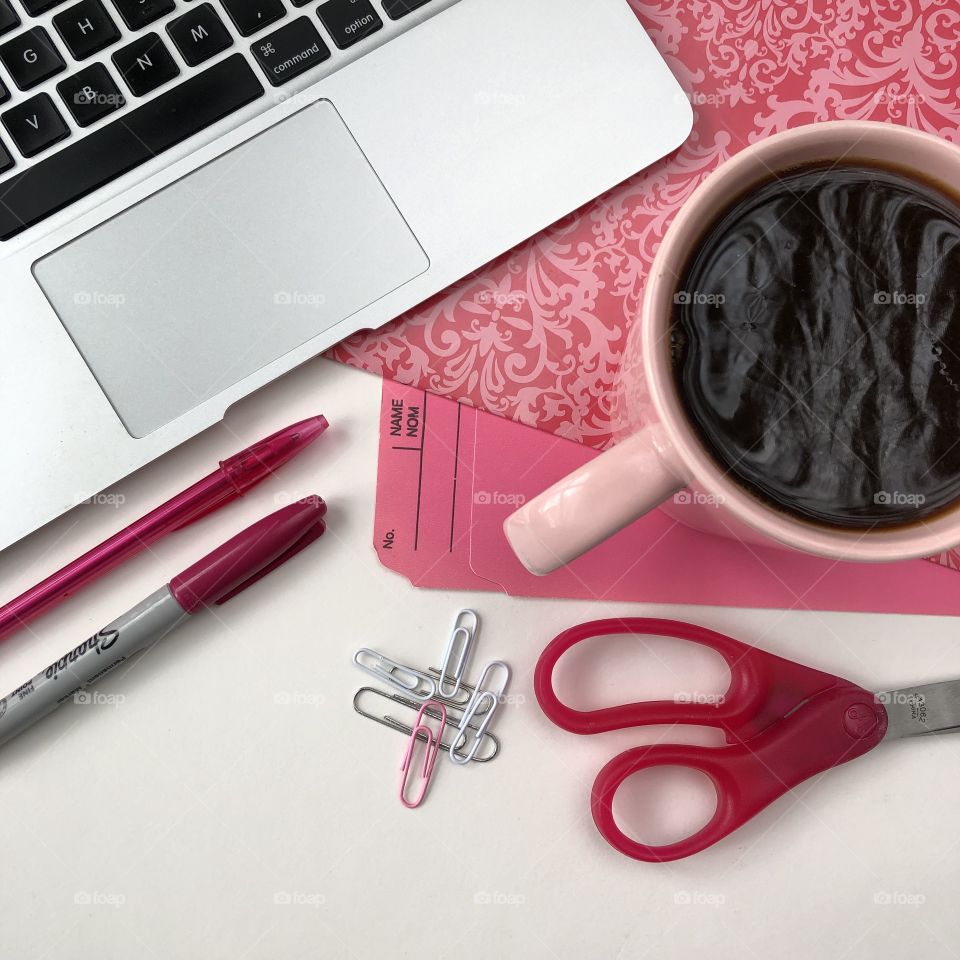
x=115, y=148
x=8, y=17
x=145, y=64
x=395, y=9
x=31, y=57
x=6, y=161
x=199, y=34
x=349, y=20
x=289, y=51
x=4, y=93
x=86, y=28
x=35, y=125
x=249, y=16
x=139, y=13
x=90, y=94
x=36, y=7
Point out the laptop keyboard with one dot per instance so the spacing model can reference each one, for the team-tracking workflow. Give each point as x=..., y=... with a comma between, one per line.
x=119, y=97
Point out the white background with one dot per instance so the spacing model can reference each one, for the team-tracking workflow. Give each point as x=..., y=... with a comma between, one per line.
x=224, y=800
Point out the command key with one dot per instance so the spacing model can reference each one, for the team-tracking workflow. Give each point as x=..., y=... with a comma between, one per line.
x=289, y=51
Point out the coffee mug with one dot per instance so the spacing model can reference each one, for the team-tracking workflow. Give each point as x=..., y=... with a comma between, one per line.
x=662, y=461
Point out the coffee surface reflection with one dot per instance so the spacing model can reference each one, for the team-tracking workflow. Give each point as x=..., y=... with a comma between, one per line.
x=816, y=342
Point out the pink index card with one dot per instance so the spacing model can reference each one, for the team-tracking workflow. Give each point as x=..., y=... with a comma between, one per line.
x=422, y=524
x=450, y=474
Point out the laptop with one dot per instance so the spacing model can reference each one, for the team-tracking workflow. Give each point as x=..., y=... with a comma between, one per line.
x=196, y=196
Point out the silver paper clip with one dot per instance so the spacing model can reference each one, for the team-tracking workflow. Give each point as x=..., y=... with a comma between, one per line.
x=466, y=626
x=405, y=679
x=490, y=744
x=482, y=695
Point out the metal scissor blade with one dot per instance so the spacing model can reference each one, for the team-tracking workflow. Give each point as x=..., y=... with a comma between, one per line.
x=916, y=711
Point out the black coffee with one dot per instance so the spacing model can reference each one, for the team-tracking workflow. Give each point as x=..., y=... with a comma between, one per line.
x=816, y=340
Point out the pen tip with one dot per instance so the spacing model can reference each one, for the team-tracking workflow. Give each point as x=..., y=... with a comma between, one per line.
x=248, y=467
x=312, y=428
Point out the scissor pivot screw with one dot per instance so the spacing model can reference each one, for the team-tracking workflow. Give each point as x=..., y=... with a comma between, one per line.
x=860, y=720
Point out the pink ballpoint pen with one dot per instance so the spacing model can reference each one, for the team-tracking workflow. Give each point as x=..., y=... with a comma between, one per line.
x=233, y=478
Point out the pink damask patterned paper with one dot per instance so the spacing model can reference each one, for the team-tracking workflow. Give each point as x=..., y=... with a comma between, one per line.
x=538, y=335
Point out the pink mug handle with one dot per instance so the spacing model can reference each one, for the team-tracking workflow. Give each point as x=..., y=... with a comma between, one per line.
x=596, y=501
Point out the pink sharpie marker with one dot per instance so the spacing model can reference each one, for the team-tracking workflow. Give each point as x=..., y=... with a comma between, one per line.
x=216, y=578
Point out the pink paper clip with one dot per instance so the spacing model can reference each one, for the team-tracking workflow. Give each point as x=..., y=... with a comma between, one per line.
x=432, y=740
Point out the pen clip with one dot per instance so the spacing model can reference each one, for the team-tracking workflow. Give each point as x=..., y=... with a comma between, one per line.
x=314, y=533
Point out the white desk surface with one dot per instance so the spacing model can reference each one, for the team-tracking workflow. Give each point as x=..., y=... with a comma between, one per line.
x=224, y=800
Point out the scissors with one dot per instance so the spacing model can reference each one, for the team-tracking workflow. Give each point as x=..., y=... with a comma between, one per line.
x=783, y=723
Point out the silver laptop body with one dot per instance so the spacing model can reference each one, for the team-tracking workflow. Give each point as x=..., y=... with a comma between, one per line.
x=350, y=191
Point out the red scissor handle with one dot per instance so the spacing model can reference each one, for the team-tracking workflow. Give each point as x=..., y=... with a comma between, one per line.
x=834, y=727
x=763, y=688
x=784, y=723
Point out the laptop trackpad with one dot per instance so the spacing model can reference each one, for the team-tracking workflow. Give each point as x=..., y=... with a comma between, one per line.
x=229, y=268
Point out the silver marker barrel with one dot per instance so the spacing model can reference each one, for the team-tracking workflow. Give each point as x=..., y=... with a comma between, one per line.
x=149, y=621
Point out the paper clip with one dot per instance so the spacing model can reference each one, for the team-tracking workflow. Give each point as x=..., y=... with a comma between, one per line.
x=462, y=698
x=407, y=680
x=422, y=731
x=489, y=750
x=482, y=694
x=466, y=625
